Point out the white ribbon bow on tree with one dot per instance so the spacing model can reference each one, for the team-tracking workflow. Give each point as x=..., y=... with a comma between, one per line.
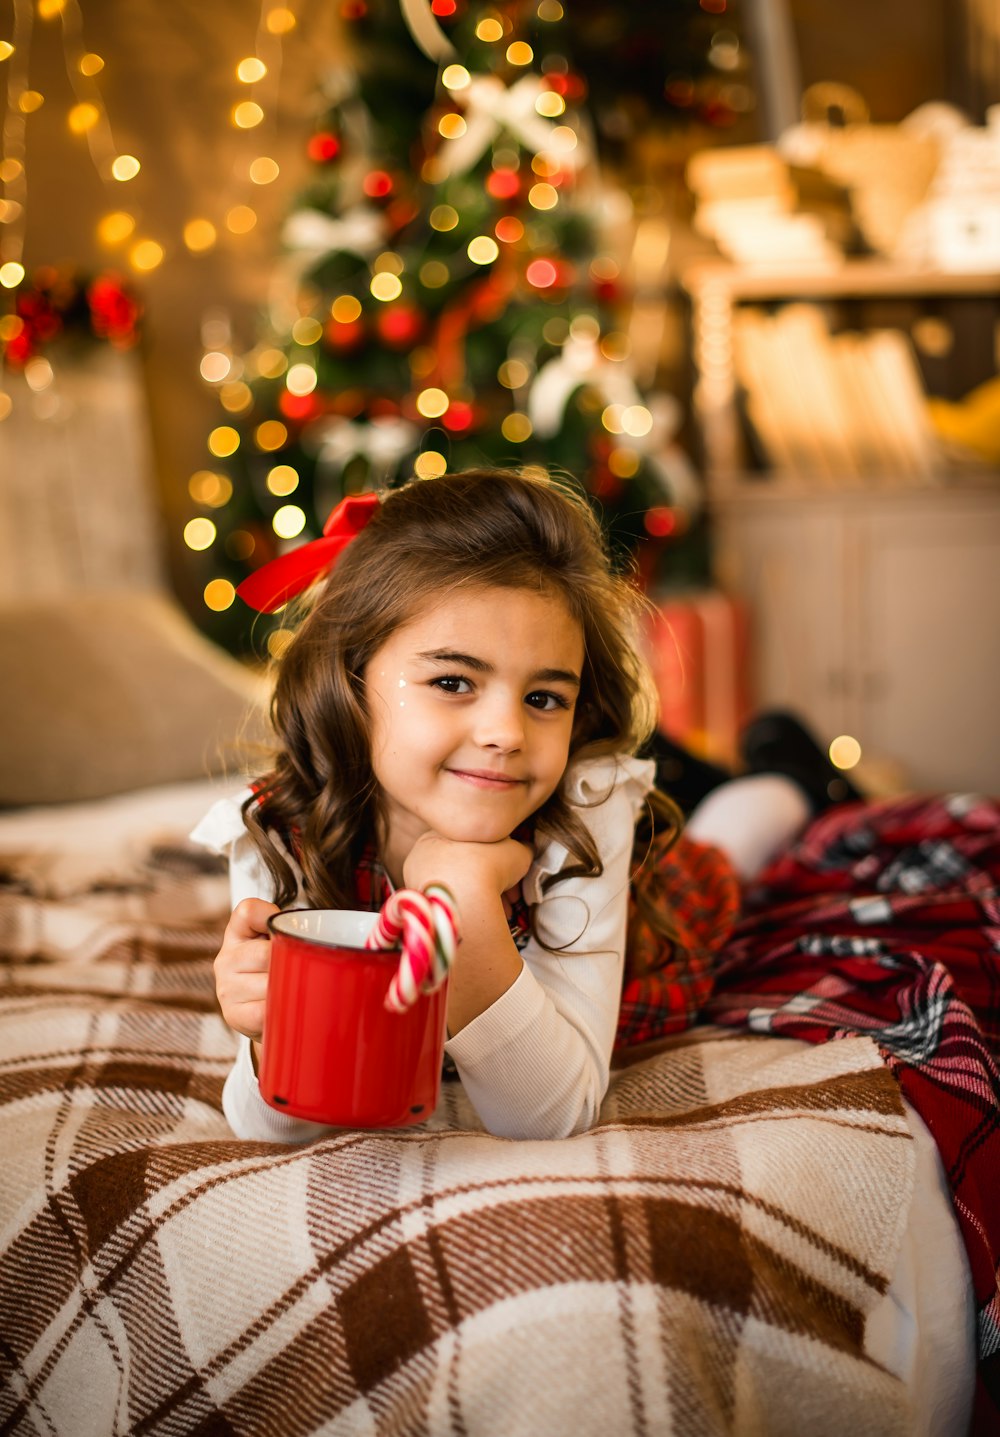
x=579, y=363
x=492, y=107
x=313, y=234
x=383, y=442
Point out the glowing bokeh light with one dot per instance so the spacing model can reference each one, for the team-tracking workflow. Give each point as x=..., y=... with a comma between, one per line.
x=455, y=77
x=223, y=441
x=516, y=428
x=264, y=170
x=483, y=250
x=125, y=167
x=270, y=435
x=241, y=219
x=145, y=255
x=247, y=114
x=301, y=379
x=251, y=70
x=307, y=331
x=199, y=235
x=845, y=751
x=386, y=286
x=345, y=309
x=430, y=464
x=282, y=480
x=219, y=594
x=215, y=366
x=289, y=521
x=115, y=228
x=83, y=117
x=199, y=534
x=432, y=403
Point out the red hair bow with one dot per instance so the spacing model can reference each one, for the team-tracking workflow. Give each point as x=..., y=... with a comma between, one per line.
x=273, y=584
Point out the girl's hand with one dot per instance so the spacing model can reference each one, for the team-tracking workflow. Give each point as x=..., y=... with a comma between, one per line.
x=241, y=967
x=466, y=867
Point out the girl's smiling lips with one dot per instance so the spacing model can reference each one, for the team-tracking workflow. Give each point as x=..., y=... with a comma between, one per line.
x=486, y=778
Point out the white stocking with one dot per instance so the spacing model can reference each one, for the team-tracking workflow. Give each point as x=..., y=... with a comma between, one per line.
x=752, y=819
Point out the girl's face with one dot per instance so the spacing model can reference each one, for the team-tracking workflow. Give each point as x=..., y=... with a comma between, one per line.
x=471, y=707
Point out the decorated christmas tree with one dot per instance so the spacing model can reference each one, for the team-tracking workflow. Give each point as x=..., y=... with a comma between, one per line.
x=451, y=294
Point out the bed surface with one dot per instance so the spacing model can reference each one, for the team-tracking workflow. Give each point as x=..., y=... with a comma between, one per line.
x=757, y=1236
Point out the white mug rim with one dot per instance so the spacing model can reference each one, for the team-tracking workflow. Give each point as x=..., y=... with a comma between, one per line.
x=338, y=944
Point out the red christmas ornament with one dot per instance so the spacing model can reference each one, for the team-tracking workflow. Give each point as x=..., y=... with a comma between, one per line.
x=609, y=291
x=443, y=8
x=113, y=312
x=605, y=485
x=400, y=325
x=41, y=322
x=18, y=350
x=503, y=184
x=573, y=88
x=542, y=273
x=377, y=184
x=399, y=213
x=323, y=147
x=298, y=407
x=660, y=521
x=458, y=416
x=344, y=337
x=383, y=408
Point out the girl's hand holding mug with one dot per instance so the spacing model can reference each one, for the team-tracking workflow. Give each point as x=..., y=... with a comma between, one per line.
x=241, y=967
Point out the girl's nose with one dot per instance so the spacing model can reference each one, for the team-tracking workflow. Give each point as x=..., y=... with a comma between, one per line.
x=500, y=724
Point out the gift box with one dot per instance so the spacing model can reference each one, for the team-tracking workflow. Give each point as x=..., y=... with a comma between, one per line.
x=697, y=647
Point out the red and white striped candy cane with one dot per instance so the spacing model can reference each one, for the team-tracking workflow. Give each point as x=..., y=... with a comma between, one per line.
x=445, y=929
x=426, y=925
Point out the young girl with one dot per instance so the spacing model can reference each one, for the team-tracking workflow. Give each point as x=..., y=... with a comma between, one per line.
x=463, y=704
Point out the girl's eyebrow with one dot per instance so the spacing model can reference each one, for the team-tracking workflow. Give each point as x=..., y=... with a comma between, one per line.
x=480, y=666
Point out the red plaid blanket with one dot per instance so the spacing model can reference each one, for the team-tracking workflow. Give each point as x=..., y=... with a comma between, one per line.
x=885, y=920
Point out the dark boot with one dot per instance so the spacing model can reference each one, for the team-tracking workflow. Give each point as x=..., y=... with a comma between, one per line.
x=777, y=742
x=680, y=775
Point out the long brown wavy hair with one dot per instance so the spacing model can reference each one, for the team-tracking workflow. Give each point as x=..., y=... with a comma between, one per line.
x=481, y=528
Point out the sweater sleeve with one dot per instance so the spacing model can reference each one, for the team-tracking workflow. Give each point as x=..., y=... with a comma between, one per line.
x=536, y=1063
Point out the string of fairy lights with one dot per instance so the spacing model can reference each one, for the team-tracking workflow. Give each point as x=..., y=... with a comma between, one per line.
x=120, y=229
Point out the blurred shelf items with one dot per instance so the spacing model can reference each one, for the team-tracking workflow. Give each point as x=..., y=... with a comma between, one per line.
x=845, y=337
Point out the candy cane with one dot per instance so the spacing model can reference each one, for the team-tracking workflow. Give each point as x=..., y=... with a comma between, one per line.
x=428, y=927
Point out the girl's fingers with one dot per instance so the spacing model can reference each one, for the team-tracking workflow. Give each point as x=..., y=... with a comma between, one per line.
x=248, y=1019
x=253, y=957
x=249, y=919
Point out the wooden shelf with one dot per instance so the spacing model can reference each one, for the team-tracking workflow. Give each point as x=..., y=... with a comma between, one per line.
x=855, y=278
x=761, y=488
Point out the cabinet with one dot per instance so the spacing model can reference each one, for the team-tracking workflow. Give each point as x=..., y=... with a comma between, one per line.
x=874, y=610
x=877, y=615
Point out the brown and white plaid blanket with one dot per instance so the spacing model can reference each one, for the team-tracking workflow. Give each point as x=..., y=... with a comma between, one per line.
x=702, y=1262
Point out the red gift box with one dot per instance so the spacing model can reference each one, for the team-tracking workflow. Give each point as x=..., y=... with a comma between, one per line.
x=697, y=646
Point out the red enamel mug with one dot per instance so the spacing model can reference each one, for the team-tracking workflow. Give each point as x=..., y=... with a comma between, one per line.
x=332, y=1052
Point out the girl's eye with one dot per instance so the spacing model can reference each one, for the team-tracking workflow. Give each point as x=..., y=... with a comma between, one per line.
x=452, y=684
x=546, y=701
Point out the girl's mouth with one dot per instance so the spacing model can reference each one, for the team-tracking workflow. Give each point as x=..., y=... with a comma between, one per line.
x=487, y=779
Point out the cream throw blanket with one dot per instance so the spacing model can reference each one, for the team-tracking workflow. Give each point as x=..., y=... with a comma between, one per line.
x=700, y=1263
